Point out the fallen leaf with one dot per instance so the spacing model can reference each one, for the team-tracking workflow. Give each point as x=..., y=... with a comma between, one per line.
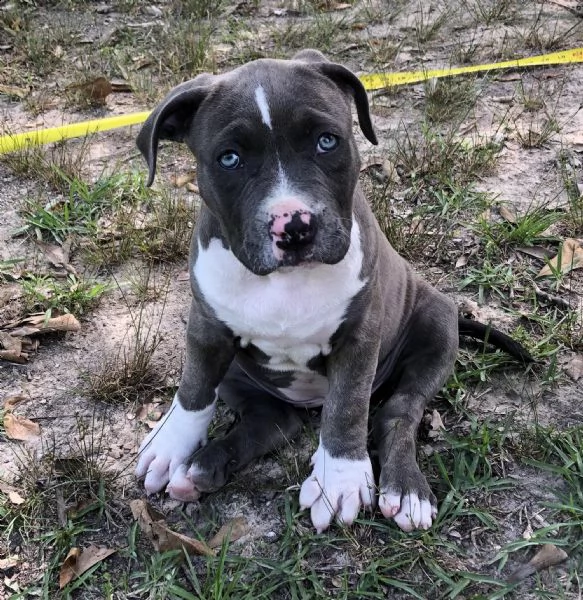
x=20, y=428
x=340, y=6
x=10, y=343
x=231, y=531
x=38, y=323
x=96, y=90
x=181, y=180
x=78, y=561
x=570, y=256
x=183, y=276
x=508, y=214
x=11, y=90
x=436, y=425
x=462, y=261
x=162, y=537
x=536, y=252
x=15, y=498
x=58, y=256
x=548, y=556
x=11, y=401
x=13, y=356
x=8, y=563
x=574, y=368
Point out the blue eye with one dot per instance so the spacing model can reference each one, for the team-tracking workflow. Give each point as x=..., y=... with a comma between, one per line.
x=327, y=142
x=230, y=160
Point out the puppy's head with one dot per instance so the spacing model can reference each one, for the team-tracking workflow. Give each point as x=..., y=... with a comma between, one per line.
x=277, y=159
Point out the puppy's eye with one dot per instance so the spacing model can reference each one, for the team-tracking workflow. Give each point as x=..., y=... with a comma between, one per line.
x=229, y=160
x=326, y=143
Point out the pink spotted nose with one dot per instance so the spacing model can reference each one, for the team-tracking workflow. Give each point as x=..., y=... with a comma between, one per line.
x=292, y=227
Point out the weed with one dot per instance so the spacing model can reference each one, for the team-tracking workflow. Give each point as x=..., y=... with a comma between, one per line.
x=435, y=157
x=73, y=295
x=568, y=172
x=322, y=32
x=187, y=47
x=528, y=229
x=486, y=12
x=537, y=132
x=57, y=166
x=427, y=28
x=544, y=34
x=498, y=279
x=449, y=98
x=129, y=374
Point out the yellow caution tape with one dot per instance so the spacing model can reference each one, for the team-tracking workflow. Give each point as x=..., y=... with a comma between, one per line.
x=377, y=81
x=372, y=81
x=12, y=142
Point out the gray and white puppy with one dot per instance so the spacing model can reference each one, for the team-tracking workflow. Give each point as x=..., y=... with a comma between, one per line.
x=298, y=298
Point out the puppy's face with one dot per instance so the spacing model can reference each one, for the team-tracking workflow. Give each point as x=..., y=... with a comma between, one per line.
x=277, y=160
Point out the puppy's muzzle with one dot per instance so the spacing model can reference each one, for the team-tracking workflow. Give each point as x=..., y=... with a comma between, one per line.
x=294, y=231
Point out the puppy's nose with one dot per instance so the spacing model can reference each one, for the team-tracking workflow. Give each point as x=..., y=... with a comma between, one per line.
x=293, y=230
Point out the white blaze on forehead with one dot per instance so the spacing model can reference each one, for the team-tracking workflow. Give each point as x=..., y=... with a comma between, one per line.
x=261, y=100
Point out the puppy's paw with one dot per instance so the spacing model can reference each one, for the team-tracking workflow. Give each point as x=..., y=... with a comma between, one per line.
x=337, y=488
x=408, y=510
x=406, y=497
x=170, y=445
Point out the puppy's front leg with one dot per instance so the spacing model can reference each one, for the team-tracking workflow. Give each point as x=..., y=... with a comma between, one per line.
x=164, y=452
x=342, y=478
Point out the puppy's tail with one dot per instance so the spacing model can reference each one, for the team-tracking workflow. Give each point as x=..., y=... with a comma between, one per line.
x=489, y=335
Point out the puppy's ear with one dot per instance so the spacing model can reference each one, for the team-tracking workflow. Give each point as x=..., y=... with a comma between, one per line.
x=349, y=83
x=172, y=118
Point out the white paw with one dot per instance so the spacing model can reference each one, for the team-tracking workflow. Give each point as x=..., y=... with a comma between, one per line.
x=409, y=511
x=337, y=487
x=171, y=443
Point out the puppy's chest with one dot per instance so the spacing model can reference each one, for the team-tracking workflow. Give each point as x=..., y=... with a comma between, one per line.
x=283, y=320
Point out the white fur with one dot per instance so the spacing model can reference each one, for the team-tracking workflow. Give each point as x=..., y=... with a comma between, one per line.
x=308, y=389
x=261, y=100
x=337, y=487
x=289, y=314
x=171, y=443
x=409, y=512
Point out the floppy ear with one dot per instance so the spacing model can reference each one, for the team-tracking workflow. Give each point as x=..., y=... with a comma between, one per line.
x=348, y=82
x=172, y=118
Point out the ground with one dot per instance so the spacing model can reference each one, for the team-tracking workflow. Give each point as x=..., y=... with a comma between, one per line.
x=477, y=180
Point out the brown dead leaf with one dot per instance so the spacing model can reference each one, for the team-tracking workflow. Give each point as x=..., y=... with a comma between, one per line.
x=436, y=425
x=570, y=255
x=96, y=90
x=231, y=531
x=462, y=261
x=183, y=276
x=508, y=214
x=536, y=252
x=11, y=401
x=38, y=323
x=181, y=180
x=8, y=563
x=340, y=6
x=20, y=428
x=162, y=537
x=15, y=498
x=10, y=343
x=78, y=561
x=12, y=90
x=548, y=556
x=574, y=368
x=13, y=356
x=58, y=256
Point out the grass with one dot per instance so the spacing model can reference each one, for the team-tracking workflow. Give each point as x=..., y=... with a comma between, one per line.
x=73, y=295
x=511, y=449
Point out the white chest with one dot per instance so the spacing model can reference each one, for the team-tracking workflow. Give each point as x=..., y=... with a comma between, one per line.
x=289, y=314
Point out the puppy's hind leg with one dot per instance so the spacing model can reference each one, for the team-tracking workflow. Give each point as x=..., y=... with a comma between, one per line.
x=265, y=424
x=425, y=362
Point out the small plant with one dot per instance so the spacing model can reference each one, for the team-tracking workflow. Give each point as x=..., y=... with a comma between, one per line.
x=526, y=230
x=490, y=278
x=486, y=12
x=569, y=171
x=73, y=295
x=449, y=98
x=427, y=28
